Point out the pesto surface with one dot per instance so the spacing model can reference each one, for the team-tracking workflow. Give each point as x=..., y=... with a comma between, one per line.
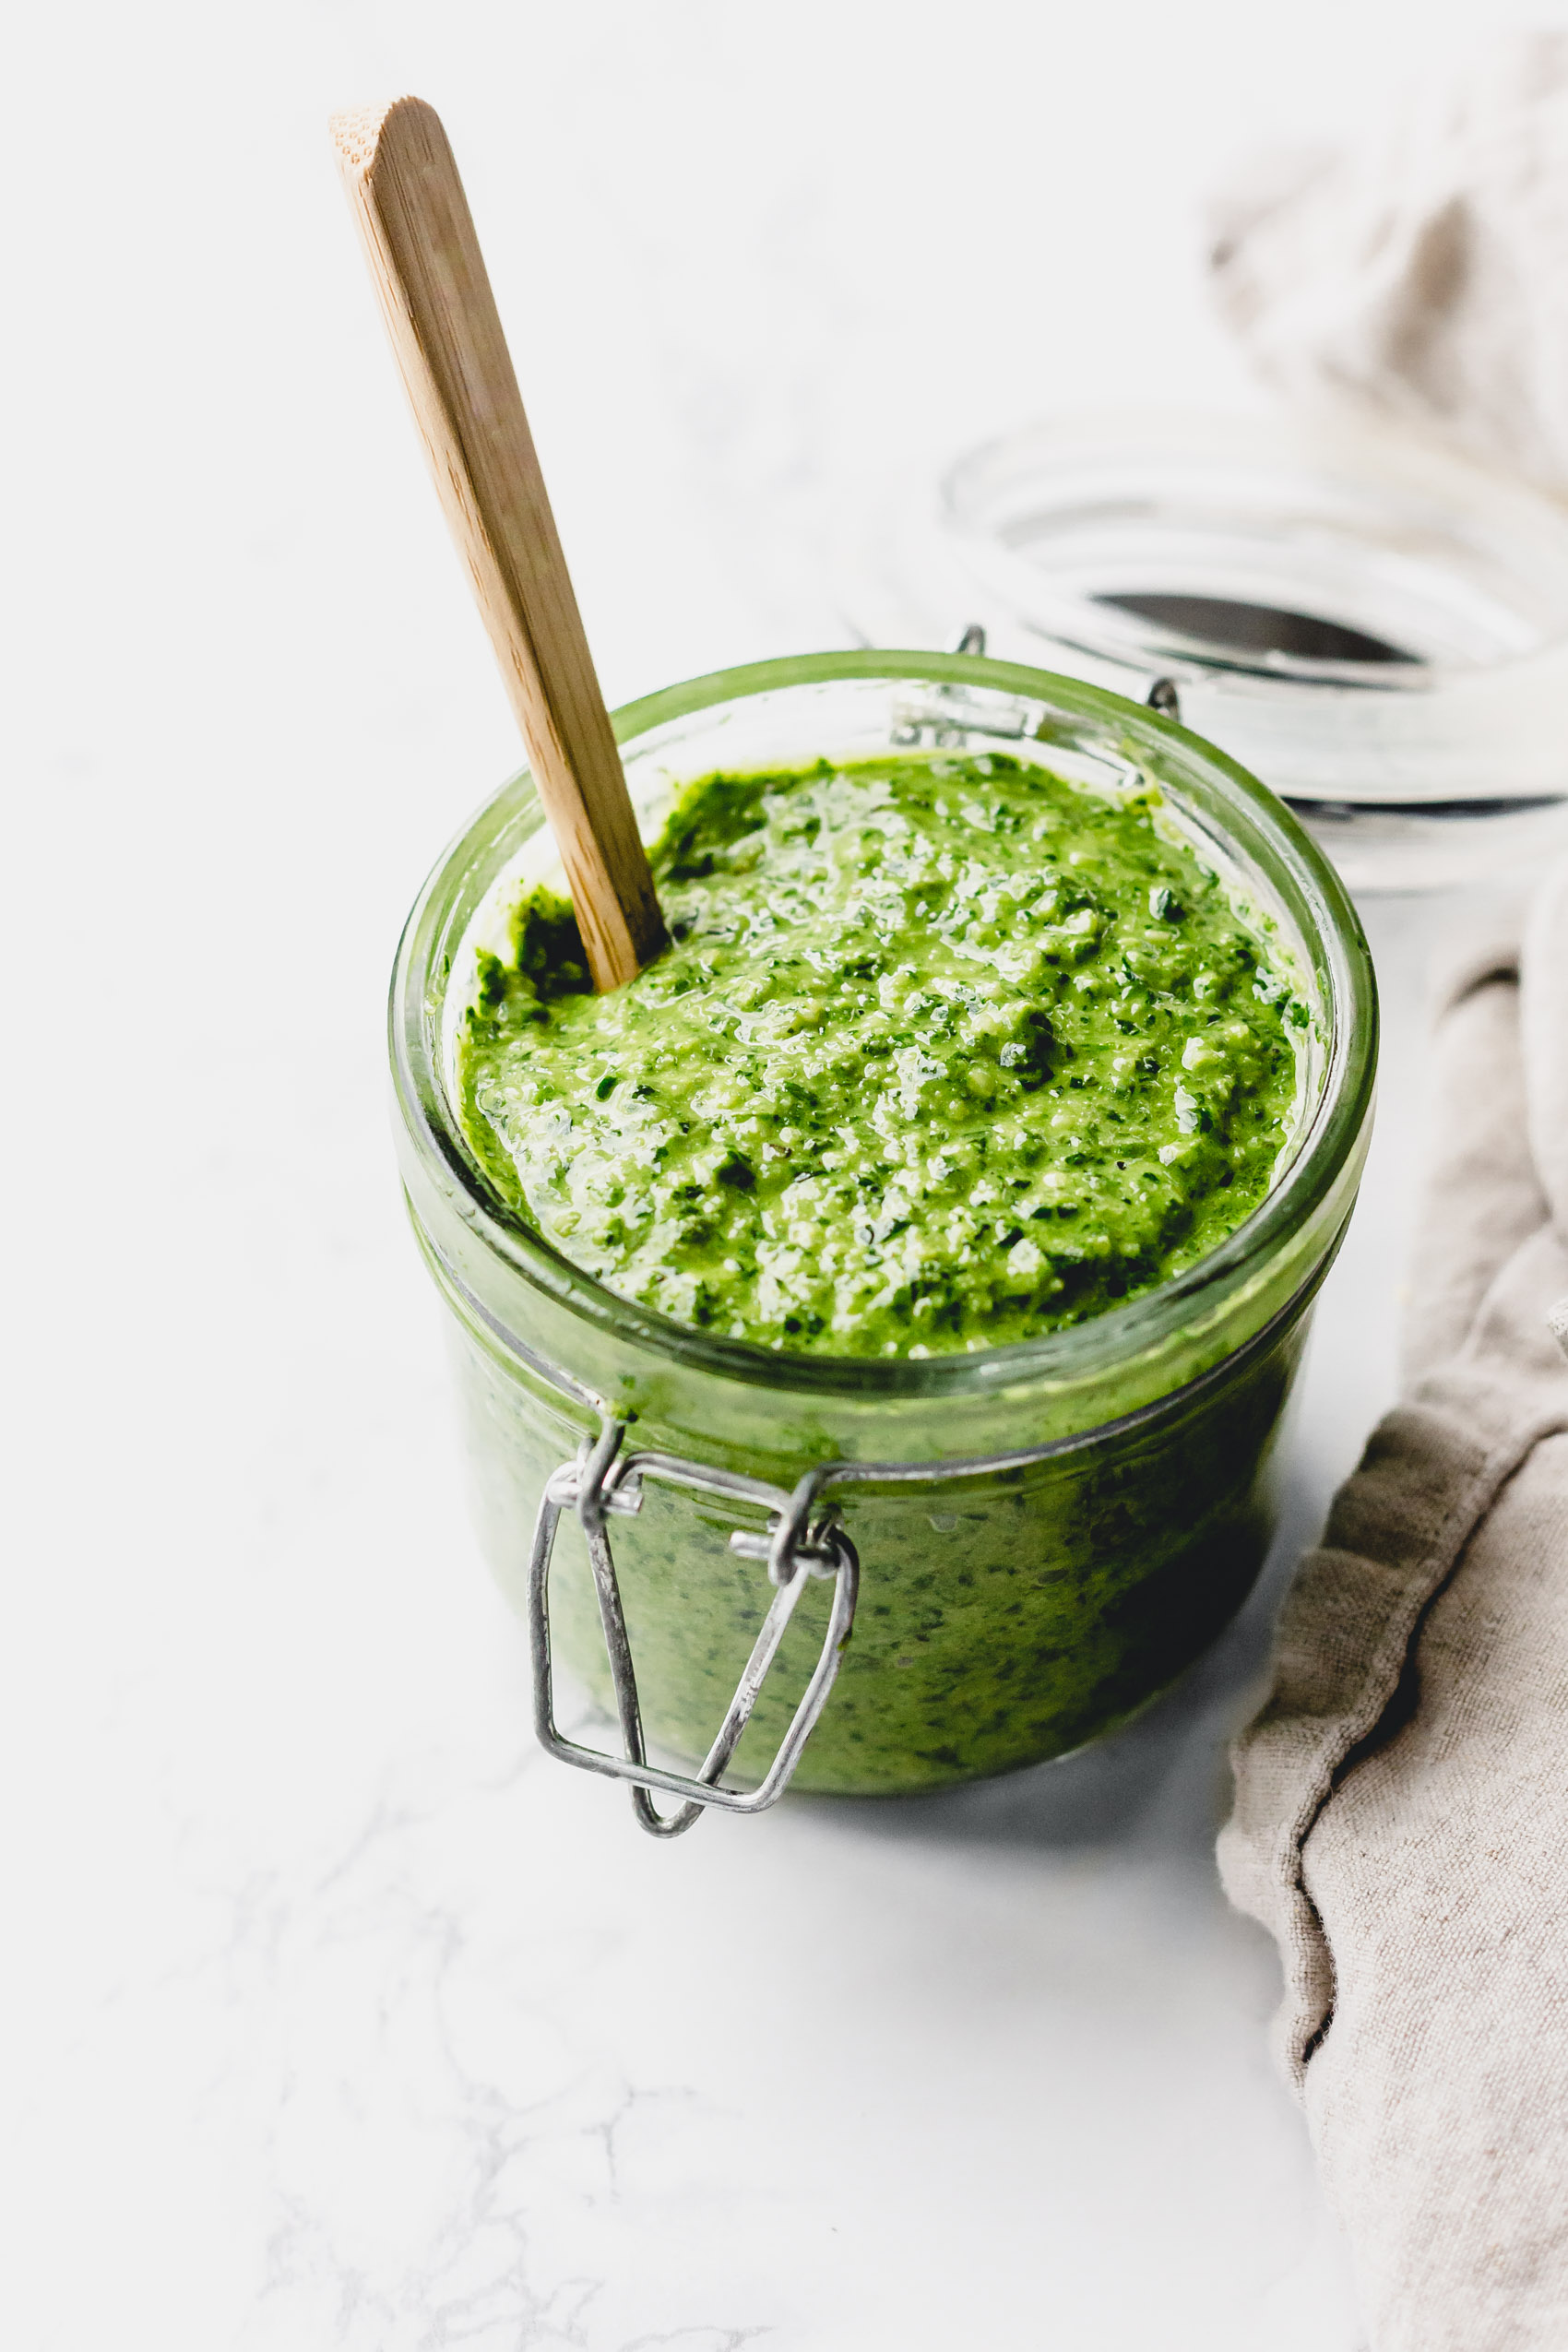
x=945, y=1054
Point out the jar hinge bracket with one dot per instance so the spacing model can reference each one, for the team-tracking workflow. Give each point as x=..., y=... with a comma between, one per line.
x=601, y=1482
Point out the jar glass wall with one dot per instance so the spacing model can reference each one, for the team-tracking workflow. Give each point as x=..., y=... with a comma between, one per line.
x=1096, y=1501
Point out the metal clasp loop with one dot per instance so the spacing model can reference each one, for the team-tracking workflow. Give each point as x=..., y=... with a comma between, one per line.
x=601, y=1481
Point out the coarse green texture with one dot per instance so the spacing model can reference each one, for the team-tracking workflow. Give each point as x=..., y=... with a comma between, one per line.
x=945, y=1054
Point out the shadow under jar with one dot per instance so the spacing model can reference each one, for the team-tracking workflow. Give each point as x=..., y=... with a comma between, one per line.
x=1043, y=1535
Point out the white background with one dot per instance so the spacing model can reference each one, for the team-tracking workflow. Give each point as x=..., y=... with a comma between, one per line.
x=335, y=2017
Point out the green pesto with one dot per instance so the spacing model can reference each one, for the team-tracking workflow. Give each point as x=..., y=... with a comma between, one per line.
x=945, y=1054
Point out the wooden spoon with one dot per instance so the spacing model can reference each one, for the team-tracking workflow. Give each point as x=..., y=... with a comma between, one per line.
x=419, y=238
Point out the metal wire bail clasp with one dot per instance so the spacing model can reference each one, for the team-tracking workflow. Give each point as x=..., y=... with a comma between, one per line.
x=601, y=1481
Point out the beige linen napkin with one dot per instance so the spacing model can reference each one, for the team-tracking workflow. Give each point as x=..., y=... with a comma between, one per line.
x=1401, y=1810
x=1422, y=271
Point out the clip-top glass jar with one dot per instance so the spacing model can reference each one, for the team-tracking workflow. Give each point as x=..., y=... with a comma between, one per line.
x=1030, y=1540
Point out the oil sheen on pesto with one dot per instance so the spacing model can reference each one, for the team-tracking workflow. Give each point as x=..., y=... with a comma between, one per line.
x=945, y=1054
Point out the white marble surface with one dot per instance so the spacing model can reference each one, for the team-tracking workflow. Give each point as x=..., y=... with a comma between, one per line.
x=335, y=2016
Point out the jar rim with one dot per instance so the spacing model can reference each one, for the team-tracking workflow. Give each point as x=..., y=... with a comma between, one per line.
x=1267, y=836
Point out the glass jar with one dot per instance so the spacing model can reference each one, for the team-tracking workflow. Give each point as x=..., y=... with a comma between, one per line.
x=1376, y=627
x=1030, y=1540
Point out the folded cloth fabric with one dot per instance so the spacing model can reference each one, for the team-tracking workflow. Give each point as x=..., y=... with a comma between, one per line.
x=1401, y=1808
x=1422, y=273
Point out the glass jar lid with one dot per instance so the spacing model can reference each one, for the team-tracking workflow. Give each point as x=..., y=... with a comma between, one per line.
x=1375, y=628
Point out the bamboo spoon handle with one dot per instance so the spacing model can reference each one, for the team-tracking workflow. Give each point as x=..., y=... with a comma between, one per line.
x=418, y=237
